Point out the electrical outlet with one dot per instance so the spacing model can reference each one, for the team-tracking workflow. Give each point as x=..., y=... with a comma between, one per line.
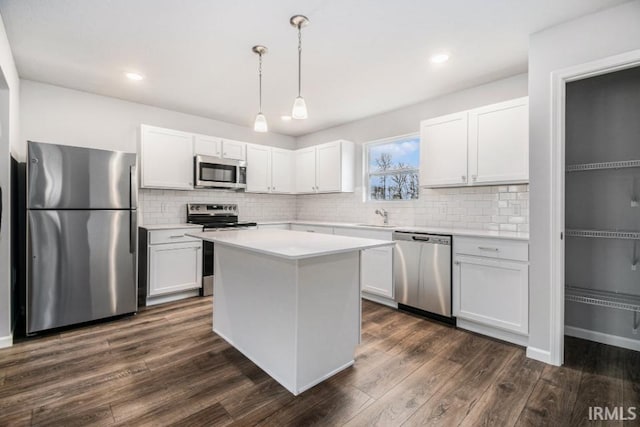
x=634, y=204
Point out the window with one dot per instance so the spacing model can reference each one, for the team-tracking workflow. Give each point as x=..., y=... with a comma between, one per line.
x=392, y=168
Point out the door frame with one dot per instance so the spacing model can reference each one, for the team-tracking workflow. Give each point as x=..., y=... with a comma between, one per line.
x=559, y=80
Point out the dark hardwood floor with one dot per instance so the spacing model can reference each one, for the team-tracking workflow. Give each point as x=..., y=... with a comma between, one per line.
x=165, y=366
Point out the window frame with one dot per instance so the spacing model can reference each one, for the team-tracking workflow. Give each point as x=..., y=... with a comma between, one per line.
x=366, y=194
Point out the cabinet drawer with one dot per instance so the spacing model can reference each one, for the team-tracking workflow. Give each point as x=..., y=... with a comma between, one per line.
x=177, y=235
x=492, y=248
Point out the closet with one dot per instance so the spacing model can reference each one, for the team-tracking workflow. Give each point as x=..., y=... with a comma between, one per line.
x=602, y=208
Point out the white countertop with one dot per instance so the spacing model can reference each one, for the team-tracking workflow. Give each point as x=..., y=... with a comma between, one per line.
x=462, y=232
x=170, y=226
x=289, y=244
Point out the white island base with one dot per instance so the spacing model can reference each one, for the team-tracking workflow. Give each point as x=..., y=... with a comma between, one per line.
x=297, y=319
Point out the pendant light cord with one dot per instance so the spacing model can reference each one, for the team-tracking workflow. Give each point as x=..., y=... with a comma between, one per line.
x=299, y=59
x=260, y=84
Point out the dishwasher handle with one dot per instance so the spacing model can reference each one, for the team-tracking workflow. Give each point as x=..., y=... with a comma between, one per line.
x=421, y=238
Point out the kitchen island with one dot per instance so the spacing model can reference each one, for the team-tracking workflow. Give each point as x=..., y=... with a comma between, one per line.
x=289, y=300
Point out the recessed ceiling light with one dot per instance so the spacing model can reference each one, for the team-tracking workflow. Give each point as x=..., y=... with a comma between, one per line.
x=134, y=76
x=439, y=58
x=286, y=118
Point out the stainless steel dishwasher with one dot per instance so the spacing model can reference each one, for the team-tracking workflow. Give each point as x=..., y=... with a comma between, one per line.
x=422, y=274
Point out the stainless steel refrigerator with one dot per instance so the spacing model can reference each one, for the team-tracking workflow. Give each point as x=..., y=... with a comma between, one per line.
x=81, y=235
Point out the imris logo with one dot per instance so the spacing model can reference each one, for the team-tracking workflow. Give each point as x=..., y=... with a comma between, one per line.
x=618, y=413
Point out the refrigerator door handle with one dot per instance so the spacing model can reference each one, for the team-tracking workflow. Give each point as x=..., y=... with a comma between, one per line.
x=134, y=187
x=133, y=230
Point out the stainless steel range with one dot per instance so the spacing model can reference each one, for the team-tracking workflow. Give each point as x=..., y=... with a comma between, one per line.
x=213, y=217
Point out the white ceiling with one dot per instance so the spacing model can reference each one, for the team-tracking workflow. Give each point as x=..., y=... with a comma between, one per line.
x=360, y=57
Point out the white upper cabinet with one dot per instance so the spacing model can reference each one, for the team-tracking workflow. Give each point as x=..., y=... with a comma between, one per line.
x=204, y=145
x=281, y=170
x=443, y=150
x=234, y=150
x=166, y=158
x=269, y=170
x=326, y=168
x=305, y=166
x=258, y=168
x=486, y=145
x=499, y=142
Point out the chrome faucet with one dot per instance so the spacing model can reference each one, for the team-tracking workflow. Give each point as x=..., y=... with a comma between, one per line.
x=384, y=214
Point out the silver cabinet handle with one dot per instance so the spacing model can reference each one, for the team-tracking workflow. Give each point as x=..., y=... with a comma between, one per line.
x=464, y=178
x=176, y=236
x=457, y=263
x=486, y=248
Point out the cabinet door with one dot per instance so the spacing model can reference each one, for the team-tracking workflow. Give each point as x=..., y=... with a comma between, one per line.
x=207, y=146
x=329, y=167
x=174, y=267
x=376, y=267
x=281, y=170
x=492, y=292
x=258, y=169
x=234, y=150
x=305, y=165
x=443, y=151
x=166, y=158
x=499, y=143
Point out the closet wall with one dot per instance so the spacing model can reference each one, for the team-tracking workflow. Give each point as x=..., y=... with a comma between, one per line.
x=602, y=212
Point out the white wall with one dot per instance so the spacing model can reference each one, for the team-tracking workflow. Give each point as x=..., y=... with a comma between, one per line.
x=9, y=131
x=489, y=208
x=66, y=116
x=605, y=33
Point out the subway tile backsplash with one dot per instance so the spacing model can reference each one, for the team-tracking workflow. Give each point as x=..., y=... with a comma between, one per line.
x=170, y=206
x=489, y=208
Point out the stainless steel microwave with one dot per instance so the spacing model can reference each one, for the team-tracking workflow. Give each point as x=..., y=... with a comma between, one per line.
x=213, y=172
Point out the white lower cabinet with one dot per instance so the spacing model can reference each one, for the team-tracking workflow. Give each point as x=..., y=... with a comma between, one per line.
x=173, y=263
x=376, y=264
x=175, y=267
x=377, y=271
x=492, y=290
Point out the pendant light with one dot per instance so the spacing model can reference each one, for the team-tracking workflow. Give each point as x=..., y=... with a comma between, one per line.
x=299, y=111
x=260, y=124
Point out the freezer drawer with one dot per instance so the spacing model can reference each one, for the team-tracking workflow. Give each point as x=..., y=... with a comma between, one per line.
x=81, y=266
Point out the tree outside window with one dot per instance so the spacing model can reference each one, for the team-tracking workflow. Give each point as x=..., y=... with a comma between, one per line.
x=392, y=168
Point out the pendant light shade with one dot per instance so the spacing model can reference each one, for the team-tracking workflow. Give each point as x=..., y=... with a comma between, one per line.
x=299, y=110
x=260, y=124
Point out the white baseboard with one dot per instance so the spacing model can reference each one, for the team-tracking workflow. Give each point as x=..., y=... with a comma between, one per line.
x=539, y=355
x=161, y=299
x=6, y=341
x=379, y=299
x=603, y=338
x=511, y=337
